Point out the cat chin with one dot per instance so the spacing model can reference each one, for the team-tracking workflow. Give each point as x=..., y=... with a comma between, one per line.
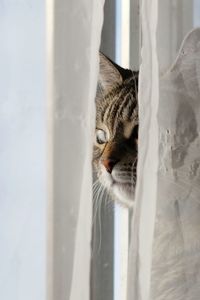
x=124, y=194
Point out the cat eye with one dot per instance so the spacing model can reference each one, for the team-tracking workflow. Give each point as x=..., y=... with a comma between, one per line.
x=101, y=137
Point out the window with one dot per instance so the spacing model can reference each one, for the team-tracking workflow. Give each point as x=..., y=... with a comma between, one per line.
x=120, y=42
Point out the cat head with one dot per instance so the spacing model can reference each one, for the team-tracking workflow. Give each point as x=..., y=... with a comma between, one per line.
x=115, y=146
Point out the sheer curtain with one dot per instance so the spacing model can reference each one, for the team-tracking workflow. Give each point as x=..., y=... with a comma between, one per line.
x=74, y=30
x=165, y=240
x=165, y=248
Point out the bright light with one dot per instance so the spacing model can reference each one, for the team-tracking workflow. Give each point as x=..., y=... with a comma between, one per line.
x=121, y=214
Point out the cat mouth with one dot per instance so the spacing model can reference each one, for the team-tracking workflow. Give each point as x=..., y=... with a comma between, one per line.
x=122, y=185
x=116, y=184
x=119, y=188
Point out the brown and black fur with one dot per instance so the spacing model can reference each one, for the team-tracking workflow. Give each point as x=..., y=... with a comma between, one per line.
x=115, y=159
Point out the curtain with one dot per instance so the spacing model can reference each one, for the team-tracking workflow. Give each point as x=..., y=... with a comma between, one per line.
x=165, y=240
x=74, y=30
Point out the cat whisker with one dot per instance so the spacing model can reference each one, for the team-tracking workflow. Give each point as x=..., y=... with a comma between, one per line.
x=101, y=198
x=95, y=203
x=99, y=195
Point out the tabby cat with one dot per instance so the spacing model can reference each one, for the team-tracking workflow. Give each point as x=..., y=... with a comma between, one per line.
x=115, y=147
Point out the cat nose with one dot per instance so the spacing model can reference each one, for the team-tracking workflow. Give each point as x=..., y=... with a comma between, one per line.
x=109, y=164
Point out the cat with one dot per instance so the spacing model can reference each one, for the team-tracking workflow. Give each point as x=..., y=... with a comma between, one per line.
x=115, y=152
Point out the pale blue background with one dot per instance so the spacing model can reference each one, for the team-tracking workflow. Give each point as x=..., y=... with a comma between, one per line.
x=22, y=150
x=196, y=10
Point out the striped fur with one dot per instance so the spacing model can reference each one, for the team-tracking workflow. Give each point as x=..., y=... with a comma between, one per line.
x=116, y=130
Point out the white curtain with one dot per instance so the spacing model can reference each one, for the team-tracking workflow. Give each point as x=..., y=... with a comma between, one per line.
x=74, y=30
x=165, y=247
x=165, y=239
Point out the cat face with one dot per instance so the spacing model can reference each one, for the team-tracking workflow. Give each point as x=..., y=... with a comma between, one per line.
x=115, y=145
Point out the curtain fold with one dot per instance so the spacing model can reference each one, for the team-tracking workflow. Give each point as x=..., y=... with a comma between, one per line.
x=165, y=246
x=140, y=253
x=73, y=68
x=176, y=247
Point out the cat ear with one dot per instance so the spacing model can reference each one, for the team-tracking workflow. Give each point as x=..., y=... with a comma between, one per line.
x=110, y=74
